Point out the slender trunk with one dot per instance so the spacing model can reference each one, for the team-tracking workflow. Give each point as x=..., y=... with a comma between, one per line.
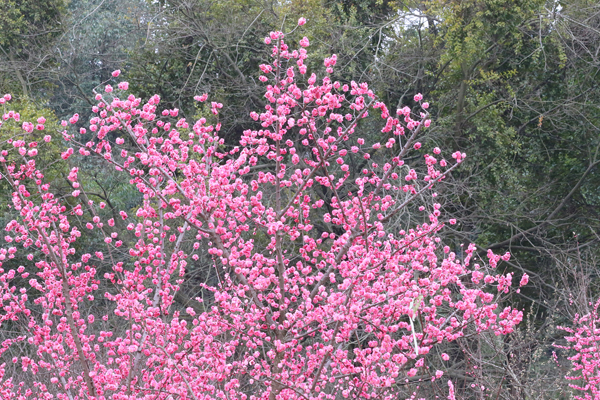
x=460, y=104
x=13, y=63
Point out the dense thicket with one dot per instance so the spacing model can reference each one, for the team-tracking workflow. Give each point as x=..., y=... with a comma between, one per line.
x=512, y=83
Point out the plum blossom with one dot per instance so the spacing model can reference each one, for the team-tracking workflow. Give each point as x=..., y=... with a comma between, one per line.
x=299, y=278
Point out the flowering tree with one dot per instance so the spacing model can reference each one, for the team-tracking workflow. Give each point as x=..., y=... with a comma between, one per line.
x=320, y=293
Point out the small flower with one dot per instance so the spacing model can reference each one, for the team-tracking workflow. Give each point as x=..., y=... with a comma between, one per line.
x=524, y=280
x=201, y=98
x=116, y=73
x=301, y=21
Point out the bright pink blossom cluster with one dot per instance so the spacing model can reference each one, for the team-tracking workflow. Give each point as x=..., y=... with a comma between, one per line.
x=584, y=340
x=320, y=295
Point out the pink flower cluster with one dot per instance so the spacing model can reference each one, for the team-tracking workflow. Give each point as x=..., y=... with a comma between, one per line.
x=584, y=341
x=317, y=297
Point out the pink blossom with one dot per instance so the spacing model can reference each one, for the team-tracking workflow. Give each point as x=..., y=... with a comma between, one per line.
x=300, y=278
x=66, y=154
x=27, y=127
x=451, y=395
x=301, y=21
x=583, y=342
x=201, y=98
